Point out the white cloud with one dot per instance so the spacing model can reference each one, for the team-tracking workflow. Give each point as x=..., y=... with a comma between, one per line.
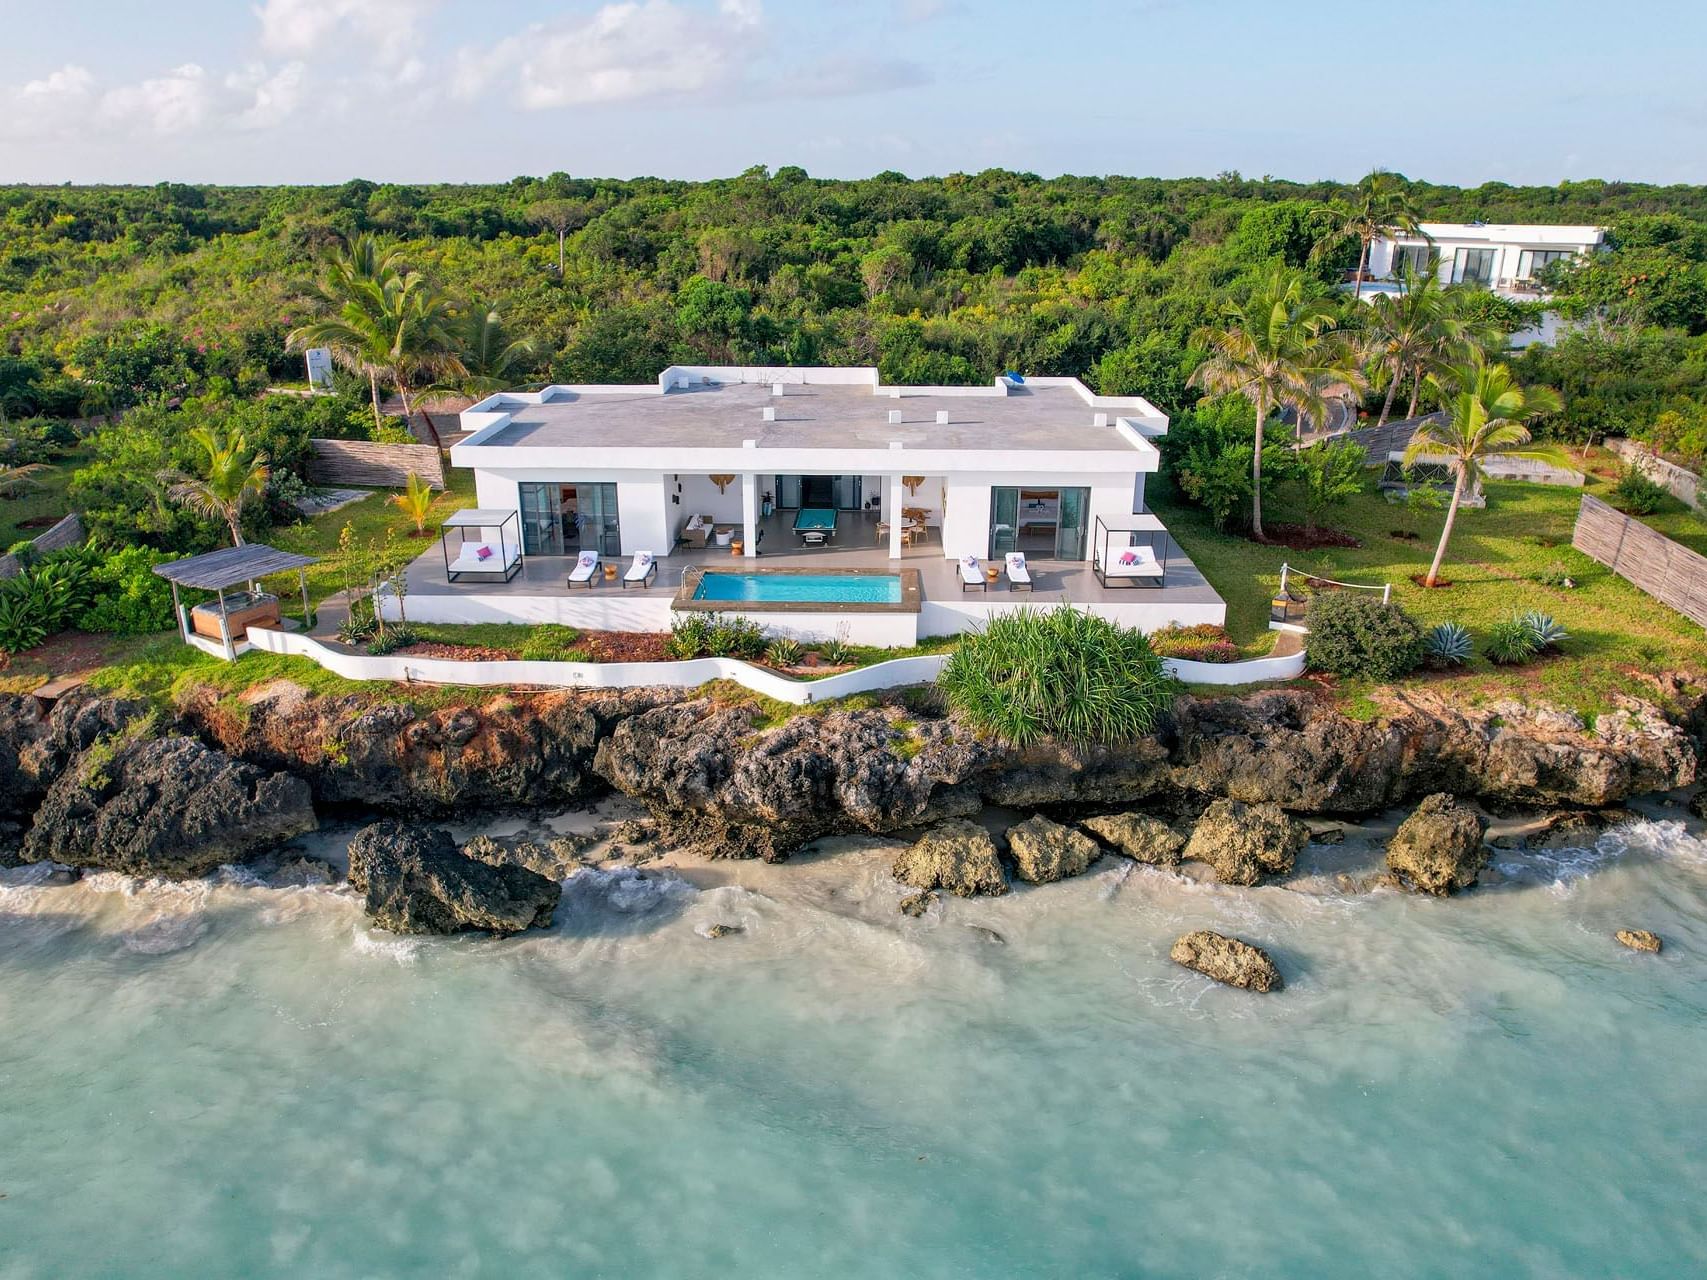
x=177, y=102
x=621, y=53
x=641, y=50
x=187, y=99
x=388, y=32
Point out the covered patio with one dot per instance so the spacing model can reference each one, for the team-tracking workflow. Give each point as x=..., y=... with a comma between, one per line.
x=218, y=626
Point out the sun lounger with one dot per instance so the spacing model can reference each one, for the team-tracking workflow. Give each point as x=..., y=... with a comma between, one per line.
x=586, y=569
x=644, y=567
x=972, y=574
x=1019, y=577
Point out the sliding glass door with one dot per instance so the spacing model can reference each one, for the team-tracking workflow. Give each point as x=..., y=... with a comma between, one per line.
x=600, y=528
x=1070, y=531
x=1004, y=522
x=1473, y=266
x=542, y=521
x=559, y=519
x=788, y=493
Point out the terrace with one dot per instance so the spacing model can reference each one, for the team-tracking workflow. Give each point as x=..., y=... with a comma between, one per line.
x=538, y=592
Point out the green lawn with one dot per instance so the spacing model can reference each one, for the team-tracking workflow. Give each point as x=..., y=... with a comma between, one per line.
x=46, y=498
x=1497, y=554
x=370, y=519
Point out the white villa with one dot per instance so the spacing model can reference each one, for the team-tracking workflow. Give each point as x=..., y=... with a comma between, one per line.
x=818, y=498
x=1504, y=257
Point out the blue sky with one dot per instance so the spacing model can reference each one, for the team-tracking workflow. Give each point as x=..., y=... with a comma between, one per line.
x=449, y=90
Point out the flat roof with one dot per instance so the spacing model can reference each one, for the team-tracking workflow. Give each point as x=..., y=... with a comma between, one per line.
x=811, y=415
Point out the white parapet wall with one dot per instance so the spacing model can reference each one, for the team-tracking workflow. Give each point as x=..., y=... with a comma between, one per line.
x=894, y=674
x=956, y=617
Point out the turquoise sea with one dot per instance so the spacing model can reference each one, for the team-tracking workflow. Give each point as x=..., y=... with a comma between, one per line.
x=225, y=1079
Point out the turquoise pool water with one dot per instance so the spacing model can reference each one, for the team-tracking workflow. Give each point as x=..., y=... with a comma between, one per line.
x=798, y=588
x=221, y=1079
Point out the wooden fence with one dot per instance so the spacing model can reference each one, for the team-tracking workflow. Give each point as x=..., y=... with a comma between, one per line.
x=67, y=533
x=364, y=464
x=1669, y=572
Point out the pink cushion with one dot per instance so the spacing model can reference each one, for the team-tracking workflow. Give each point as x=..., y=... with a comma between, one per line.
x=1131, y=557
x=483, y=553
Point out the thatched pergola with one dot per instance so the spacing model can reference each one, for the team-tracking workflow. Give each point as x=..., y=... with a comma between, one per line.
x=218, y=571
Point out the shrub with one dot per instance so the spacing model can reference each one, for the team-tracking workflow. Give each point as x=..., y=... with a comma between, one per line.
x=130, y=599
x=838, y=652
x=1205, y=642
x=1555, y=575
x=20, y=621
x=1637, y=494
x=1511, y=641
x=698, y=635
x=400, y=636
x=359, y=627
x=1062, y=674
x=1448, y=644
x=1547, y=633
x=1354, y=634
x=783, y=652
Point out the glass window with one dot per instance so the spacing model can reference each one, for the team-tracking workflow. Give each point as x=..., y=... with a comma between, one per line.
x=1415, y=260
x=1070, y=533
x=1473, y=266
x=1531, y=261
x=1004, y=521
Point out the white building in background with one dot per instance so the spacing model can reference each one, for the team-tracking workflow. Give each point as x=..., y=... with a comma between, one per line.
x=1502, y=256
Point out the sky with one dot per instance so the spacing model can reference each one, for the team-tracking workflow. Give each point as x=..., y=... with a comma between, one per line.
x=321, y=91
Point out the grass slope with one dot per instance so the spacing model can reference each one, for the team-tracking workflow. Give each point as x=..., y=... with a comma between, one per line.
x=1618, y=634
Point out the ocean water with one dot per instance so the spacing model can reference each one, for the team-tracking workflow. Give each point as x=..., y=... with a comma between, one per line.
x=226, y=1079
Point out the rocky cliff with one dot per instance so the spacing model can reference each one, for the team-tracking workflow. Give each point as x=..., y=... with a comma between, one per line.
x=718, y=778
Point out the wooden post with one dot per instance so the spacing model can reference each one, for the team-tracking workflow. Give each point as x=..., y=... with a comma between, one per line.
x=307, y=619
x=225, y=628
x=179, y=614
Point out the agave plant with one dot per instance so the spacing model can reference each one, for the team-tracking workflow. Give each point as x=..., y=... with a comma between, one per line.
x=1548, y=634
x=1448, y=643
x=1510, y=641
x=784, y=652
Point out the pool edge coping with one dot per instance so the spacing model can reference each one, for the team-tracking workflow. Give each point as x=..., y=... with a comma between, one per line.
x=912, y=592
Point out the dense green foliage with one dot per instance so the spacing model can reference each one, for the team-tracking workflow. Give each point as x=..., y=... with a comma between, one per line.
x=86, y=589
x=1057, y=674
x=1353, y=633
x=112, y=296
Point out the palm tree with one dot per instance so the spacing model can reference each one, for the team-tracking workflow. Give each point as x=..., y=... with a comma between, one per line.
x=1421, y=329
x=394, y=325
x=1278, y=351
x=1379, y=204
x=1485, y=413
x=233, y=473
x=487, y=358
x=416, y=501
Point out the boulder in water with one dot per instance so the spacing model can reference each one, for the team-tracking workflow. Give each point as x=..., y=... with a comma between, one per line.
x=958, y=856
x=417, y=881
x=715, y=931
x=1639, y=939
x=1238, y=964
x=1139, y=836
x=1698, y=803
x=165, y=807
x=917, y=904
x=1244, y=842
x=1438, y=849
x=1045, y=851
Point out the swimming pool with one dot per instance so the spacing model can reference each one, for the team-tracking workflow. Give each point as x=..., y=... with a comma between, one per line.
x=801, y=588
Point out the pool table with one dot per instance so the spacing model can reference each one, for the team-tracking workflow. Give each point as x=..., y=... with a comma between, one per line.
x=814, y=524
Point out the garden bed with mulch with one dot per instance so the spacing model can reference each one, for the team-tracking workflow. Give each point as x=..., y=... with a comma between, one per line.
x=1295, y=537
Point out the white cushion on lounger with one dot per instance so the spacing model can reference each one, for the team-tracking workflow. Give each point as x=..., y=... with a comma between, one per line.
x=643, y=564
x=970, y=570
x=1017, y=571
x=1134, y=562
x=585, y=566
x=468, y=560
